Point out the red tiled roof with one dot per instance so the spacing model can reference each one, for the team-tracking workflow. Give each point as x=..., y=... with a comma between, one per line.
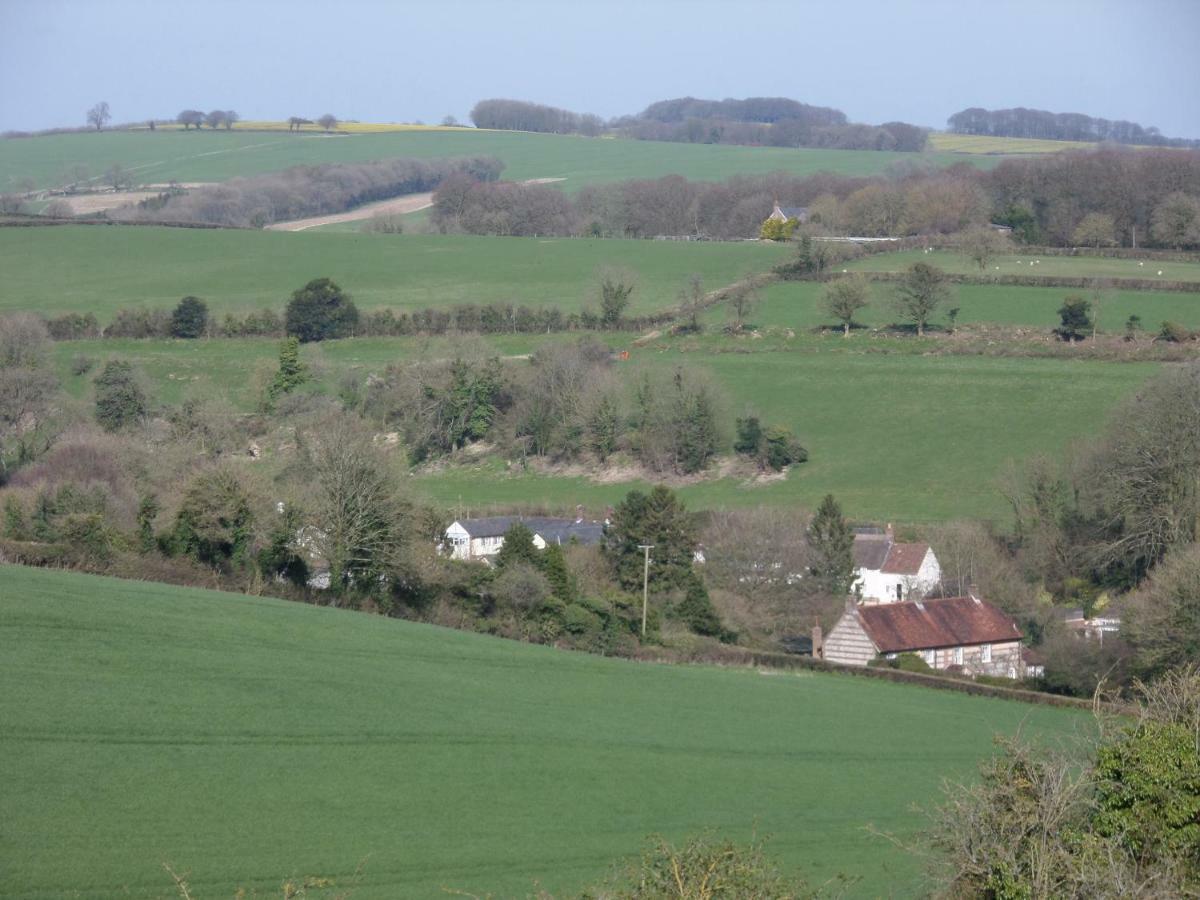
x=929, y=624
x=905, y=559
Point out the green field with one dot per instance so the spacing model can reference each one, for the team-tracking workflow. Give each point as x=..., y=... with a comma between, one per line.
x=798, y=305
x=100, y=269
x=894, y=431
x=245, y=740
x=1044, y=266
x=158, y=157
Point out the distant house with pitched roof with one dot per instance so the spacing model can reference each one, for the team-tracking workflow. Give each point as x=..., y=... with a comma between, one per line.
x=483, y=537
x=787, y=213
x=962, y=634
x=889, y=571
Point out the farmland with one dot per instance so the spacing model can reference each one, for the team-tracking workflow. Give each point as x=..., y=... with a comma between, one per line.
x=798, y=305
x=218, y=155
x=101, y=269
x=862, y=411
x=1043, y=266
x=244, y=740
x=978, y=143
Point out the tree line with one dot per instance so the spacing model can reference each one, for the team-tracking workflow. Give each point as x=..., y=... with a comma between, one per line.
x=1095, y=198
x=303, y=191
x=1039, y=123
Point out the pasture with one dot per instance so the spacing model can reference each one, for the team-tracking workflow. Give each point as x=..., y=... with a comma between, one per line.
x=895, y=431
x=798, y=305
x=946, y=142
x=198, y=156
x=243, y=740
x=100, y=269
x=1020, y=263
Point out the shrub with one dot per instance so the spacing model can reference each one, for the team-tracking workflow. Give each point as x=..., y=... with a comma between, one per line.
x=120, y=401
x=320, y=311
x=81, y=365
x=190, y=318
x=911, y=662
x=1174, y=333
x=214, y=523
x=580, y=621
x=73, y=327
x=139, y=323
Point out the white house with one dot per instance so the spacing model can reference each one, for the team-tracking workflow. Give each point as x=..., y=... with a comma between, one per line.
x=966, y=634
x=787, y=213
x=482, y=538
x=888, y=571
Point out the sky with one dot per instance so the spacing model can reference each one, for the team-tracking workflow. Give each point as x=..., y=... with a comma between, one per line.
x=404, y=60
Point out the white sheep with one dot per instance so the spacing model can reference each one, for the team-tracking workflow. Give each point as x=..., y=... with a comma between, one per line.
x=1160, y=271
x=1141, y=264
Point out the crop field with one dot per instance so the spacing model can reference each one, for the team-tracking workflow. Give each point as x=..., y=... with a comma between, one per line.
x=1025, y=264
x=980, y=143
x=199, y=156
x=100, y=269
x=892, y=432
x=798, y=305
x=244, y=740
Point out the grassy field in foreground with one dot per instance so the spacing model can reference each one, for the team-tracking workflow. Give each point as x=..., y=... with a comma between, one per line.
x=798, y=305
x=245, y=740
x=101, y=269
x=892, y=432
x=157, y=157
x=1045, y=266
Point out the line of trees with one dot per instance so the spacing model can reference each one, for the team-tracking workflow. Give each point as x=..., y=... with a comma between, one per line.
x=214, y=119
x=1039, y=123
x=520, y=115
x=1090, y=198
x=305, y=191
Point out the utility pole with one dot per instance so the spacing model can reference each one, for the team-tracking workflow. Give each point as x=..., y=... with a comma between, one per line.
x=645, y=548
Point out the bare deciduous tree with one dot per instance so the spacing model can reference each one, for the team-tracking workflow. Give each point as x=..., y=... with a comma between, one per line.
x=328, y=122
x=99, y=115
x=982, y=243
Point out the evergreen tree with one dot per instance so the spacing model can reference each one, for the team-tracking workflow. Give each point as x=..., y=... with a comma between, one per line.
x=189, y=318
x=697, y=611
x=697, y=432
x=553, y=563
x=279, y=559
x=1074, y=317
x=292, y=372
x=518, y=546
x=832, y=545
x=320, y=311
x=749, y=436
x=603, y=428
x=657, y=518
x=215, y=523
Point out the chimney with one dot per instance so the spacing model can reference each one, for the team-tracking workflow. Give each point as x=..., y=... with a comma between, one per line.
x=818, y=641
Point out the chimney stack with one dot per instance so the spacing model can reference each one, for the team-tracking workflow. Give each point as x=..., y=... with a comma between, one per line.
x=818, y=641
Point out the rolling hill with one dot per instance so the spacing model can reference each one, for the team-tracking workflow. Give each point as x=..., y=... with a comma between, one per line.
x=244, y=740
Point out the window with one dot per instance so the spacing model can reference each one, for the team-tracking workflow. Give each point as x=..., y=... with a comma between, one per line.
x=985, y=653
x=929, y=656
x=958, y=656
x=899, y=592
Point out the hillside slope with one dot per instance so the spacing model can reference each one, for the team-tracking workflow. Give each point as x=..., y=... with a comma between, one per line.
x=245, y=739
x=158, y=157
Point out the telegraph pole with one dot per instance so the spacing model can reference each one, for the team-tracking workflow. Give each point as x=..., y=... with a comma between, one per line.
x=645, y=548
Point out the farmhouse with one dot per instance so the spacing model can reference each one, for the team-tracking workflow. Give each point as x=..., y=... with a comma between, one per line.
x=965, y=634
x=888, y=571
x=787, y=213
x=483, y=537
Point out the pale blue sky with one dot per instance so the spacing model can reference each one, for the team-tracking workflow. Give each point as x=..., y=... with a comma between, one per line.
x=402, y=61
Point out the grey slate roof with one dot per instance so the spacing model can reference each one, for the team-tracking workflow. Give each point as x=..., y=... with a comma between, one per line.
x=871, y=550
x=553, y=530
x=795, y=212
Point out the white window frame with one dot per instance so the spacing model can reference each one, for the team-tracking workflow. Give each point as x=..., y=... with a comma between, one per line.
x=930, y=657
x=958, y=656
x=985, y=653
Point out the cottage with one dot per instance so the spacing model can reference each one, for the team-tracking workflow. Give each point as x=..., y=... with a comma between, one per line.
x=1096, y=626
x=965, y=634
x=483, y=537
x=788, y=213
x=888, y=571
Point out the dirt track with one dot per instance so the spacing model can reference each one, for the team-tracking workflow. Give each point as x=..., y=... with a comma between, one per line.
x=407, y=203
